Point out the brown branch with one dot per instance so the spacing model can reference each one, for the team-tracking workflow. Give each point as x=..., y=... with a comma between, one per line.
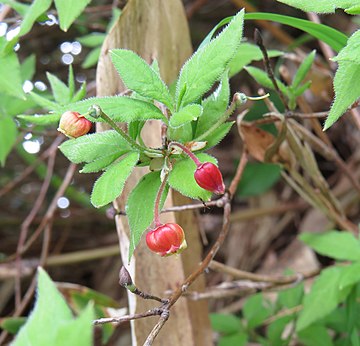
x=126, y=318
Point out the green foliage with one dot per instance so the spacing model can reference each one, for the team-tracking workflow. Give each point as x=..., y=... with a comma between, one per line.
x=339, y=245
x=140, y=207
x=119, y=108
x=59, y=89
x=334, y=38
x=111, y=183
x=256, y=310
x=51, y=322
x=181, y=178
x=138, y=76
x=315, y=335
x=69, y=10
x=258, y=178
x=324, y=6
x=303, y=69
x=208, y=63
x=347, y=89
x=218, y=135
x=185, y=115
x=12, y=324
x=8, y=133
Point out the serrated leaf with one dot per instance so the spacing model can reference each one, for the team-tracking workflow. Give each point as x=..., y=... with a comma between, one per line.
x=247, y=53
x=208, y=63
x=257, y=178
x=119, y=108
x=181, y=177
x=59, y=89
x=140, y=207
x=111, y=183
x=92, y=40
x=351, y=51
x=101, y=163
x=53, y=315
x=262, y=78
x=69, y=10
x=303, y=69
x=95, y=146
x=338, y=245
x=321, y=6
x=138, y=76
x=8, y=133
x=92, y=58
x=11, y=80
x=45, y=120
x=218, y=135
x=350, y=275
x=185, y=115
x=323, y=298
x=214, y=106
x=37, y=8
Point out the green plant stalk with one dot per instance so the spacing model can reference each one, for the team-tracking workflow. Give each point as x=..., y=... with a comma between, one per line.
x=147, y=151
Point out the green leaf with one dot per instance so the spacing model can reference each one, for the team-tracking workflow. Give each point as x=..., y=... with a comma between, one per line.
x=111, y=183
x=342, y=246
x=323, y=298
x=51, y=314
x=246, y=54
x=92, y=58
x=140, y=207
x=321, y=6
x=80, y=94
x=315, y=335
x=302, y=88
x=208, y=63
x=8, y=133
x=185, y=115
x=119, y=108
x=218, y=135
x=303, y=69
x=27, y=68
x=291, y=297
x=17, y=6
x=238, y=339
x=262, y=78
x=95, y=146
x=69, y=10
x=71, y=83
x=350, y=275
x=275, y=330
x=214, y=106
x=254, y=310
x=45, y=120
x=101, y=163
x=225, y=323
x=258, y=178
x=181, y=177
x=334, y=38
x=138, y=76
x=11, y=80
x=45, y=102
x=12, y=324
x=347, y=89
x=37, y=8
x=60, y=90
x=92, y=40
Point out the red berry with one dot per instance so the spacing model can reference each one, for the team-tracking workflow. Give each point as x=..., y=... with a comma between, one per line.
x=166, y=239
x=209, y=177
x=73, y=124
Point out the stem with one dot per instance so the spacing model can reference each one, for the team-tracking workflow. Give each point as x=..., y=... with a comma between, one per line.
x=157, y=202
x=186, y=151
x=95, y=111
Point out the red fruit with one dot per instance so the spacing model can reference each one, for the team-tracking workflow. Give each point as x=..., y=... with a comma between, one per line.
x=73, y=124
x=209, y=177
x=166, y=239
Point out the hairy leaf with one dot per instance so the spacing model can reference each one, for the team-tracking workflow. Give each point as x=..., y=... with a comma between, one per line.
x=138, y=76
x=45, y=102
x=95, y=146
x=321, y=6
x=111, y=183
x=339, y=245
x=208, y=63
x=218, y=135
x=119, y=108
x=140, y=207
x=181, y=177
x=45, y=120
x=185, y=115
x=102, y=162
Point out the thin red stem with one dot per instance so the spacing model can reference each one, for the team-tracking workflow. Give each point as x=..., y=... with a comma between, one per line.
x=157, y=202
x=187, y=152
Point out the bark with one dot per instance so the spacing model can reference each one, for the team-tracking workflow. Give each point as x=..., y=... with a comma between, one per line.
x=157, y=29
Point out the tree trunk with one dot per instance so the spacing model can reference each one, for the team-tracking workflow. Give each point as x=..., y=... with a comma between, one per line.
x=157, y=29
